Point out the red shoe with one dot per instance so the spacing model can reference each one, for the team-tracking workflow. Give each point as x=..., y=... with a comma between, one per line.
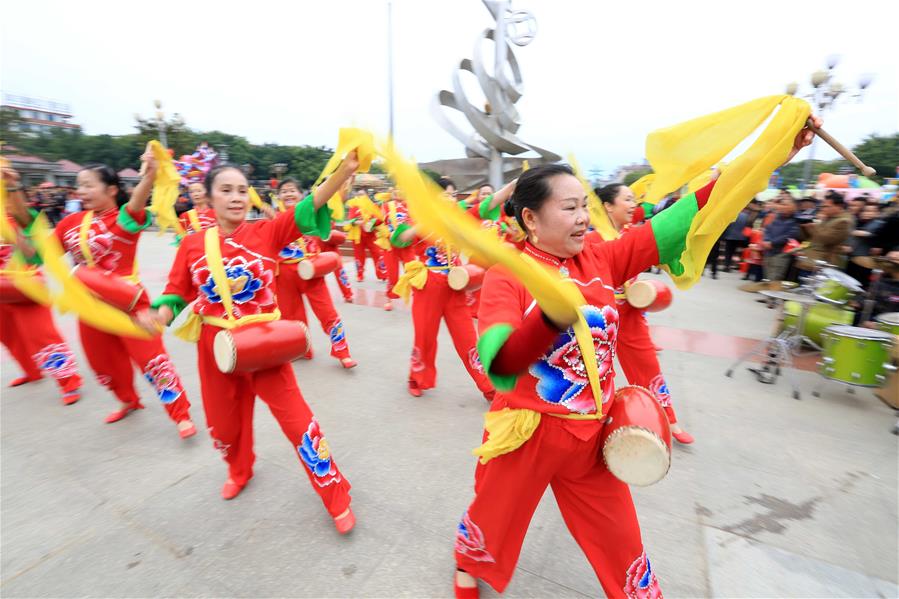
x=359, y=279
x=348, y=363
x=414, y=389
x=348, y=299
x=24, y=379
x=489, y=395
x=70, y=397
x=118, y=415
x=683, y=437
x=657, y=348
x=308, y=355
x=346, y=522
x=388, y=305
x=231, y=490
x=186, y=430
x=465, y=592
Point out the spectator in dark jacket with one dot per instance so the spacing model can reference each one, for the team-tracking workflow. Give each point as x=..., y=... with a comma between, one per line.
x=778, y=232
x=734, y=238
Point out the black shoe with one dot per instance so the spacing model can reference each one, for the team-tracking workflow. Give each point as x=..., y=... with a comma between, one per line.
x=715, y=275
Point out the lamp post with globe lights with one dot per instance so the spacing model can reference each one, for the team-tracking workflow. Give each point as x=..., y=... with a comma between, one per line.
x=825, y=92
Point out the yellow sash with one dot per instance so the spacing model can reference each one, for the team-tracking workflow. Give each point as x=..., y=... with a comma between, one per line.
x=194, y=220
x=84, y=232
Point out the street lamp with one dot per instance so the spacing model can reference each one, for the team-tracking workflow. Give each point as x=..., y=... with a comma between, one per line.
x=279, y=168
x=160, y=122
x=824, y=94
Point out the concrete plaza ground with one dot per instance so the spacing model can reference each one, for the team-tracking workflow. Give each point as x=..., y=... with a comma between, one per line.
x=777, y=497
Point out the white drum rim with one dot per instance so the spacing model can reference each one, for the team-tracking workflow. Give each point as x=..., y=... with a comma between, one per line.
x=644, y=434
x=305, y=269
x=890, y=318
x=223, y=349
x=642, y=294
x=867, y=334
x=452, y=278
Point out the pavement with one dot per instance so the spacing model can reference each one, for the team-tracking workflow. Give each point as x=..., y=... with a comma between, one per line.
x=777, y=497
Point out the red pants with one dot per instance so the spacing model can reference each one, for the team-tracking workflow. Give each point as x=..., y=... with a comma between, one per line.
x=111, y=356
x=367, y=242
x=596, y=507
x=228, y=400
x=392, y=260
x=637, y=356
x=30, y=335
x=343, y=281
x=291, y=289
x=436, y=301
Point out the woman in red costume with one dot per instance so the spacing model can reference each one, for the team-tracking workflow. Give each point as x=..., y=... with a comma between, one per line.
x=292, y=289
x=537, y=367
x=249, y=254
x=636, y=351
x=27, y=329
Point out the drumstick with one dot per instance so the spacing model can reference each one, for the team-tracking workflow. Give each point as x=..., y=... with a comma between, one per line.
x=841, y=149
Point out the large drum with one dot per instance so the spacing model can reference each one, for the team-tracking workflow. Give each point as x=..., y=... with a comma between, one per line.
x=636, y=439
x=856, y=356
x=649, y=295
x=10, y=294
x=319, y=265
x=260, y=345
x=111, y=289
x=820, y=316
x=336, y=237
x=468, y=277
x=888, y=322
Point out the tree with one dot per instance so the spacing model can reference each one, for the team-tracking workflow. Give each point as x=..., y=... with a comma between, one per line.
x=12, y=126
x=880, y=153
x=633, y=176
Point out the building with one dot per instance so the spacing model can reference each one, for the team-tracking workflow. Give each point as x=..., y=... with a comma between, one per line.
x=40, y=115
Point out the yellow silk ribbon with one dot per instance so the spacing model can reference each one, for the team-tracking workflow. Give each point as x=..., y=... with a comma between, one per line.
x=165, y=190
x=415, y=274
x=349, y=139
x=83, y=233
x=681, y=153
x=22, y=275
x=599, y=218
x=507, y=430
x=75, y=297
x=641, y=186
x=254, y=198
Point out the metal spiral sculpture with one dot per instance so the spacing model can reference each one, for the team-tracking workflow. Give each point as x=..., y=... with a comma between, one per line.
x=494, y=126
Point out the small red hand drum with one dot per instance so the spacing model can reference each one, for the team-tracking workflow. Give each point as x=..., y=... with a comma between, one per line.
x=649, y=295
x=636, y=442
x=10, y=294
x=260, y=345
x=467, y=277
x=319, y=265
x=336, y=237
x=109, y=288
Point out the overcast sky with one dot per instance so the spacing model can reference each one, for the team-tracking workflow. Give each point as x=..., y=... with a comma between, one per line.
x=598, y=77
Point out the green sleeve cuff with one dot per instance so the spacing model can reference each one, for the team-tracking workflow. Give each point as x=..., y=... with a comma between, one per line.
x=489, y=345
x=484, y=209
x=670, y=228
x=175, y=302
x=311, y=221
x=127, y=222
x=35, y=259
x=395, y=240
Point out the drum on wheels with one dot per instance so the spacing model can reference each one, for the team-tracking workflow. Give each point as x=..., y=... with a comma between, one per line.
x=636, y=438
x=856, y=356
x=260, y=345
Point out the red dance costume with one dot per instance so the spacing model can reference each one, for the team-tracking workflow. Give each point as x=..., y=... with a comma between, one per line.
x=536, y=367
x=250, y=258
x=366, y=242
x=27, y=330
x=397, y=218
x=291, y=289
x=195, y=221
x=343, y=281
x=111, y=239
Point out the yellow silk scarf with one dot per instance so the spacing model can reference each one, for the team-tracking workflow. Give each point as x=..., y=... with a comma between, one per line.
x=165, y=190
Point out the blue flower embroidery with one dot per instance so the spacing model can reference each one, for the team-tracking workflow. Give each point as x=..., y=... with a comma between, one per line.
x=436, y=257
x=561, y=373
x=54, y=361
x=316, y=454
x=243, y=282
x=344, y=280
x=291, y=252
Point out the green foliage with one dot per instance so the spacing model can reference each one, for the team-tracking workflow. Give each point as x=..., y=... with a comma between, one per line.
x=631, y=177
x=880, y=153
x=792, y=173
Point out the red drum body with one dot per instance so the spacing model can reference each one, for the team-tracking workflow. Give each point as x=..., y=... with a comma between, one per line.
x=260, y=345
x=336, y=238
x=319, y=265
x=468, y=277
x=636, y=443
x=649, y=295
x=109, y=288
x=10, y=294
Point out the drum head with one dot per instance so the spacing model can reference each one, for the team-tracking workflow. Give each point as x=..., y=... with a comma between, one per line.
x=224, y=351
x=457, y=278
x=641, y=294
x=306, y=269
x=636, y=456
x=858, y=333
x=890, y=318
x=842, y=278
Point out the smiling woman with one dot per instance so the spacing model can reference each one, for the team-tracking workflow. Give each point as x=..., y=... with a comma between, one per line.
x=228, y=275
